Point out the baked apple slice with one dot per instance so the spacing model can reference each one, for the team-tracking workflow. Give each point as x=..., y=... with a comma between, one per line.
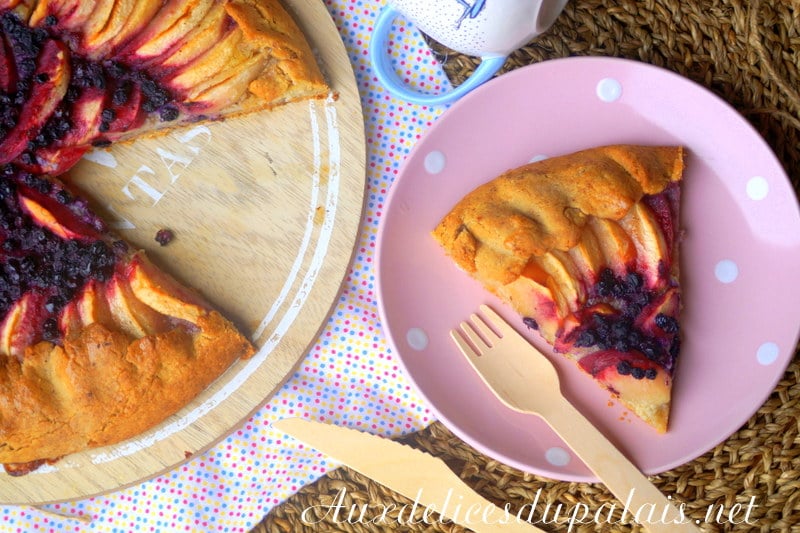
x=584, y=247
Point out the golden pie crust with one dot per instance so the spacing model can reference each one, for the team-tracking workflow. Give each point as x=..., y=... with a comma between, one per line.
x=104, y=385
x=495, y=230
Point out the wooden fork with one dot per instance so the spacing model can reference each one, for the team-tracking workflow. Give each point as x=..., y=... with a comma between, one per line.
x=525, y=380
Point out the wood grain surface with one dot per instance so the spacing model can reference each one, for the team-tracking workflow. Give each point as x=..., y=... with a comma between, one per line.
x=265, y=211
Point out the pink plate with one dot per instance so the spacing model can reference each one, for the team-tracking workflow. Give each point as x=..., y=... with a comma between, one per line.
x=741, y=256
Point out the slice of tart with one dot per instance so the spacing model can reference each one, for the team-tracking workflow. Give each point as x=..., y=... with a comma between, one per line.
x=585, y=248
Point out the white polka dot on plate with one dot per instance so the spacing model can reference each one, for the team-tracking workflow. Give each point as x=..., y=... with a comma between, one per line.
x=726, y=271
x=767, y=353
x=435, y=162
x=557, y=456
x=609, y=90
x=757, y=188
x=417, y=338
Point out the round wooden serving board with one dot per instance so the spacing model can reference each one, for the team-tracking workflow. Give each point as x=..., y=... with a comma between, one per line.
x=265, y=210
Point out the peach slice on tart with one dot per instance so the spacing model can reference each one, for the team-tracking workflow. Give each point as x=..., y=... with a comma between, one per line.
x=229, y=88
x=564, y=279
x=51, y=160
x=67, y=136
x=61, y=15
x=85, y=116
x=93, y=24
x=196, y=42
x=596, y=231
x=163, y=293
x=167, y=30
x=616, y=244
x=123, y=21
x=129, y=313
x=56, y=210
x=22, y=324
x=45, y=218
x=48, y=85
x=207, y=69
x=648, y=237
x=534, y=301
x=92, y=306
x=587, y=255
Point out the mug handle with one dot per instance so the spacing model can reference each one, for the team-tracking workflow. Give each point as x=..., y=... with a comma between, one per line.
x=386, y=74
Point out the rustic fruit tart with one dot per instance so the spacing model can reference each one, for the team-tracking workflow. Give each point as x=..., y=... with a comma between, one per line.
x=585, y=248
x=97, y=344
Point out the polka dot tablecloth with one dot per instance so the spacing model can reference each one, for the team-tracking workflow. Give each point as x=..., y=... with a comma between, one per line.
x=349, y=377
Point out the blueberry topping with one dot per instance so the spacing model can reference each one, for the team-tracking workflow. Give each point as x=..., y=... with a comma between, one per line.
x=624, y=368
x=621, y=345
x=675, y=347
x=530, y=323
x=620, y=329
x=606, y=283
x=164, y=236
x=121, y=94
x=63, y=197
x=586, y=339
x=667, y=323
x=633, y=282
x=115, y=70
x=6, y=188
x=87, y=74
x=169, y=113
x=155, y=96
x=50, y=330
x=650, y=348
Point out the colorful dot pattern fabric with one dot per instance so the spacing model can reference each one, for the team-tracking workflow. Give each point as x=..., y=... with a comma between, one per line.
x=350, y=377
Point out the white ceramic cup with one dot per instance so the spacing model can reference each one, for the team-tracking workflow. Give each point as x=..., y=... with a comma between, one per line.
x=489, y=29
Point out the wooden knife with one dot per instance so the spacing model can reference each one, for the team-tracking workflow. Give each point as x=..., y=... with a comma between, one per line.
x=415, y=474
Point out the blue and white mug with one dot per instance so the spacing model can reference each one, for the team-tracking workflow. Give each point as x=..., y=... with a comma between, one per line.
x=489, y=29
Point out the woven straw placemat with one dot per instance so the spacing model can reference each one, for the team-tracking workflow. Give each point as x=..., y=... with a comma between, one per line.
x=747, y=52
